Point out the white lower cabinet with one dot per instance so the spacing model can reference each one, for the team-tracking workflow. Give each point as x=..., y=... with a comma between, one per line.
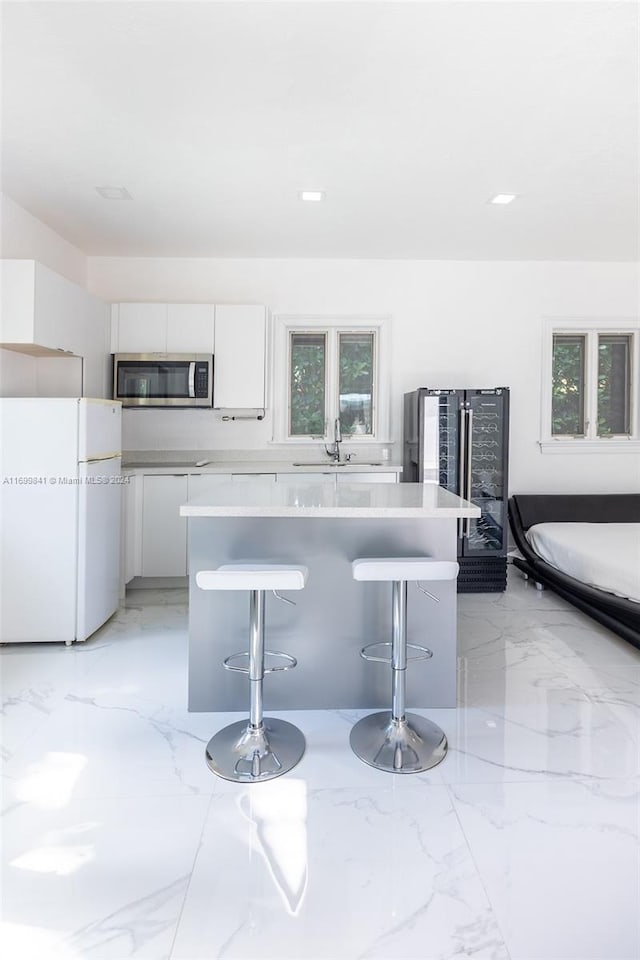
x=367, y=477
x=240, y=477
x=199, y=483
x=154, y=533
x=164, y=531
x=308, y=477
x=131, y=557
x=335, y=477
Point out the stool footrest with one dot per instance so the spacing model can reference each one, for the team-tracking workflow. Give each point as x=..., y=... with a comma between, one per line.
x=242, y=662
x=423, y=653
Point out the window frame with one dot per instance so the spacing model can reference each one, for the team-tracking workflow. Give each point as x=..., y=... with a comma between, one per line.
x=284, y=326
x=591, y=329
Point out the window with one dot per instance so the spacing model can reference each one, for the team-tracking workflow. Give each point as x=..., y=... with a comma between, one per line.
x=590, y=383
x=567, y=412
x=308, y=384
x=614, y=385
x=333, y=370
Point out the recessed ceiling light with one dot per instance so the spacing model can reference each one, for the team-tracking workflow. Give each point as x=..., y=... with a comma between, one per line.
x=114, y=193
x=503, y=198
x=311, y=196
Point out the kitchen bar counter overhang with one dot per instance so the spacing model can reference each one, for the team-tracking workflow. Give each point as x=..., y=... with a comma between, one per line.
x=347, y=501
x=334, y=616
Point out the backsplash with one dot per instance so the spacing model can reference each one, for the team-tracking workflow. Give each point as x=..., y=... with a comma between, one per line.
x=192, y=430
x=204, y=431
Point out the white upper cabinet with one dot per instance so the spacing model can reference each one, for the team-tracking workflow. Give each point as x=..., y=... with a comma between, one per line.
x=139, y=328
x=162, y=328
x=190, y=328
x=46, y=315
x=40, y=308
x=236, y=334
x=240, y=357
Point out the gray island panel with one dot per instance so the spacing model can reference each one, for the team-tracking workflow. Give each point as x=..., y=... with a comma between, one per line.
x=334, y=616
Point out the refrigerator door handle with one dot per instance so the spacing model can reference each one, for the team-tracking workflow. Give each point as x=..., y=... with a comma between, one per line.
x=461, y=470
x=192, y=379
x=467, y=456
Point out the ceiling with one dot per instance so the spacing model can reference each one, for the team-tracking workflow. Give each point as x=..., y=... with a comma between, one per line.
x=410, y=116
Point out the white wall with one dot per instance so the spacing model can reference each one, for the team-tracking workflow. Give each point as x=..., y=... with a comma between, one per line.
x=454, y=324
x=22, y=236
x=18, y=375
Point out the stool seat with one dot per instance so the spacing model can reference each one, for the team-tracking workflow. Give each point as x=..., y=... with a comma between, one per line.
x=404, y=568
x=253, y=576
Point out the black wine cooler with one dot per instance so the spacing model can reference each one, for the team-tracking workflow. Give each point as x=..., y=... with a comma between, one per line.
x=459, y=439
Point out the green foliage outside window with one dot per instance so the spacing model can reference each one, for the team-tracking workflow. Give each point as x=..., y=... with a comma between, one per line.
x=309, y=407
x=567, y=403
x=307, y=384
x=613, y=385
x=356, y=382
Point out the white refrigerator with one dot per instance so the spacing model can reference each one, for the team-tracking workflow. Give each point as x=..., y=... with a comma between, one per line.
x=60, y=496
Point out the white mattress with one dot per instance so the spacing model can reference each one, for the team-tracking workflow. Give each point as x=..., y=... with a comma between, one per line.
x=602, y=555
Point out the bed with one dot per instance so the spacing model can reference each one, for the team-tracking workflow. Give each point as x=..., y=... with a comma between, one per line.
x=587, y=549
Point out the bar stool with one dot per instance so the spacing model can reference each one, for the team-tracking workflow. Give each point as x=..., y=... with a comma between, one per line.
x=264, y=747
x=400, y=742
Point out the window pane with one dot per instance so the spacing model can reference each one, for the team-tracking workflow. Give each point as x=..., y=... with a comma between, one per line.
x=356, y=383
x=614, y=381
x=307, y=384
x=567, y=406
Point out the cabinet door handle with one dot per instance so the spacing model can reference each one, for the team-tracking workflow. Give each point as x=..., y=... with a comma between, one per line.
x=467, y=522
x=462, y=446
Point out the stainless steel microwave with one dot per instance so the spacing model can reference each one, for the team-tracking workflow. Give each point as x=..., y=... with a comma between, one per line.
x=163, y=379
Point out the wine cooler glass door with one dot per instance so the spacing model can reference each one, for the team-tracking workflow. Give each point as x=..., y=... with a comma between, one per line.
x=486, y=449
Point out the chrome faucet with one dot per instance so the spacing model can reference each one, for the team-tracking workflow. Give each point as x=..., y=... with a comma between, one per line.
x=337, y=440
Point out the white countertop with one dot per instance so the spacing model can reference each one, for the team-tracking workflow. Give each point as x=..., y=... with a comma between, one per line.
x=254, y=466
x=185, y=464
x=305, y=459
x=364, y=500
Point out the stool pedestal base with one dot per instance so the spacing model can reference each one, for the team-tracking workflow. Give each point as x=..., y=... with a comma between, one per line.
x=410, y=745
x=249, y=754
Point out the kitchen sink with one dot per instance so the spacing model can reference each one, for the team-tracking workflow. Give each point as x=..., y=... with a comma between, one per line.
x=343, y=463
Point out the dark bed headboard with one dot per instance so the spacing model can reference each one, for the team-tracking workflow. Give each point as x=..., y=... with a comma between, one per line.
x=576, y=508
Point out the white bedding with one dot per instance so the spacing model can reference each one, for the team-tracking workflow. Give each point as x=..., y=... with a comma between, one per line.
x=602, y=555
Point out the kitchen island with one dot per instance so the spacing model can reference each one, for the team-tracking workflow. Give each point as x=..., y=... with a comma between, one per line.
x=323, y=527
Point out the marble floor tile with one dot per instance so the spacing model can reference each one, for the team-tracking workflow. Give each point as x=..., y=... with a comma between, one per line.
x=161, y=596
x=136, y=748
x=521, y=595
x=584, y=642
x=524, y=681
x=323, y=873
x=560, y=865
x=563, y=740
x=130, y=748
x=34, y=679
x=616, y=686
x=103, y=879
x=521, y=845
x=149, y=663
